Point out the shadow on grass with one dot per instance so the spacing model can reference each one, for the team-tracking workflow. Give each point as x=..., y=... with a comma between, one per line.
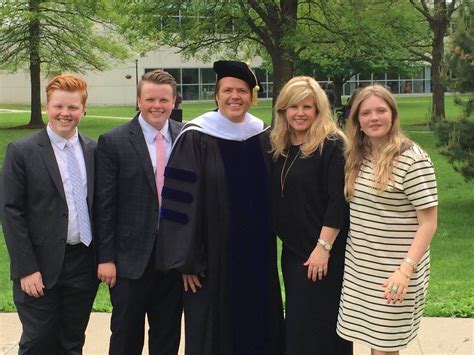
x=416, y=127
x=23, y=127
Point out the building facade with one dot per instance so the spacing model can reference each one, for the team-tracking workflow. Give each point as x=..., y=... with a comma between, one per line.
x=196, y=79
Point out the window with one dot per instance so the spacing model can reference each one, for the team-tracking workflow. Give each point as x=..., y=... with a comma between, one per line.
x=207, y=92
x=208, y=76
x=199, y=83
x=261, y=74
x=190, y=76
x=176, y=73
x=190, y=92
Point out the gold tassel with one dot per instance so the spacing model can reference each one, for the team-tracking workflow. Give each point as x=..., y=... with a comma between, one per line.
x=256, y=88
x=255, y=95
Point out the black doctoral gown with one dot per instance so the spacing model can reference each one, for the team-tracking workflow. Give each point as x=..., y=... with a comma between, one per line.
x=215, y=223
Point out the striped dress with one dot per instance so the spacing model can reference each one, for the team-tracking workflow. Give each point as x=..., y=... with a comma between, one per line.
x=381, y=231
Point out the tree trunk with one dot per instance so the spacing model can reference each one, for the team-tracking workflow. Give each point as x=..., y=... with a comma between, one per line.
x=438, y=76
x=439, y=23
x=36, y=119
x=338, y=83
x=282, y=54
x=282, y=72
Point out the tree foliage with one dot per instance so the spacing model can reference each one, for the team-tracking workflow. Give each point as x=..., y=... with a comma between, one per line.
x=234, y=29
x=461, y=58
x=56, y=36
x=337, y=37
x=362, y=37
x=457, y=138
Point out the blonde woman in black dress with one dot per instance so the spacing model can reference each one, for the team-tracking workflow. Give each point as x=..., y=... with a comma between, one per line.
x=310, y=215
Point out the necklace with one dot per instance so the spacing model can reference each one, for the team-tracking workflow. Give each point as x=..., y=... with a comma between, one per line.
x=283, y=175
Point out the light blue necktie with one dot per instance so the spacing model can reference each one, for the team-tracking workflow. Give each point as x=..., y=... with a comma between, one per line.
x=80, y=196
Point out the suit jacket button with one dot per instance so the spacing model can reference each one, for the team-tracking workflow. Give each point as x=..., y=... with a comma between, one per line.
x=63, y=241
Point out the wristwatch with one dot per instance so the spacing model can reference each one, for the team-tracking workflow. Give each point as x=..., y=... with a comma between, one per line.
x=327, y=246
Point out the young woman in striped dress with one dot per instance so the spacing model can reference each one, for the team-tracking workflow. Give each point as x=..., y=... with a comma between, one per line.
x=391, y=187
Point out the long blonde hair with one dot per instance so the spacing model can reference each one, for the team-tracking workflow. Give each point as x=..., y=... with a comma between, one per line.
x=358, y=145
x=294, y=91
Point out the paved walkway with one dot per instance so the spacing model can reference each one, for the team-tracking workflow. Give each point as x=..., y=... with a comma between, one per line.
x=438, y=336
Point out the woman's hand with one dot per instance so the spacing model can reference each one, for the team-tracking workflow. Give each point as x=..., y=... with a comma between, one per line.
x=317, y=263
x=191, y=282
x=396, y=286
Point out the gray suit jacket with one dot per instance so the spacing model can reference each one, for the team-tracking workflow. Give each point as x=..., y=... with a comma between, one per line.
x=126, y=209
x=34, y=207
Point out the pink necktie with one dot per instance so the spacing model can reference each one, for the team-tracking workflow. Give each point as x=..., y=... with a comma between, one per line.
x=160, y=163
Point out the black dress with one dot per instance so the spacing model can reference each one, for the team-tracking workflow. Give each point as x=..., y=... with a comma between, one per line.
x=312, y=197
x=216, y=222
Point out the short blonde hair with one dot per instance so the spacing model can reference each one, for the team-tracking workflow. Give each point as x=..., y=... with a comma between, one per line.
x=294, y=91
x=67, y=82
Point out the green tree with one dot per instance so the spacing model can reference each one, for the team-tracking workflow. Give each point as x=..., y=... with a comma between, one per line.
x=55, y=36
x=438, y=14
x=206, y=27
x=461, y=58
x=354, y=38
x=457, y=138
x=326, y=33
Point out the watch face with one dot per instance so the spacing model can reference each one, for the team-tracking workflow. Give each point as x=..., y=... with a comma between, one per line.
x=325, y=245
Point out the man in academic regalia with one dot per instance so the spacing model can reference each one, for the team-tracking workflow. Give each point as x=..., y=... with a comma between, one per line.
x=214, y=226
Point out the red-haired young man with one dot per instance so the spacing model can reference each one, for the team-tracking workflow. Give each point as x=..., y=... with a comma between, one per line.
x=47, y=182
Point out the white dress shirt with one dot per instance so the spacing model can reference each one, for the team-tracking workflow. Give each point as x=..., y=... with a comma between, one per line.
x=149, y=132
x=58, y=144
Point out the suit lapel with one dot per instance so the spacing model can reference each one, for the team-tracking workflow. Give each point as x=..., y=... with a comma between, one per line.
x=47, y=154
x=175, y=128
x=88, y=152
x=138, y=142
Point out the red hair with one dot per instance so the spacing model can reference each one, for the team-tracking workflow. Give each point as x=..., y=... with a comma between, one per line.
x=67, y=82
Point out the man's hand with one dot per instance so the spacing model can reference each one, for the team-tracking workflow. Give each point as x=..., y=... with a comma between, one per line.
x=106, y=272
x=32, y=284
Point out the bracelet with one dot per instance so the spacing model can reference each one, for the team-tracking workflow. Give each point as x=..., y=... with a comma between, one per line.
x=326, y=245
x=403, y=273
x=411, y=262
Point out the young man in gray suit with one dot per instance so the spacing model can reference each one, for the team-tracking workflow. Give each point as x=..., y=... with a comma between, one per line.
x=46, y=202
x=130, y=164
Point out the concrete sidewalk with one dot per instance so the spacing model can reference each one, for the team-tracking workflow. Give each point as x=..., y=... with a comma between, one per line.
x=437, y=336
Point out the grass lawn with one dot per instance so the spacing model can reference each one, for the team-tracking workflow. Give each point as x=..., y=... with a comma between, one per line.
x=451, y=290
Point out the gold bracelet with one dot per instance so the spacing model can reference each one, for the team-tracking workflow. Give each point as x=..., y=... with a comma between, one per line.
x=412, y=263
x=403, y=273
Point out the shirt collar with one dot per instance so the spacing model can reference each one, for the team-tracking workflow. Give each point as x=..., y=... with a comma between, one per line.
x=149, y=131
x=217, y=125
x=59, y=141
